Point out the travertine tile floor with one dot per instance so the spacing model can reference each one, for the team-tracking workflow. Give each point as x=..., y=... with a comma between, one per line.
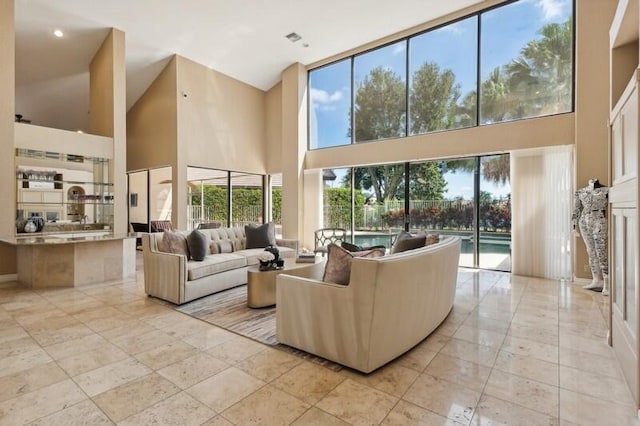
x=514, y=350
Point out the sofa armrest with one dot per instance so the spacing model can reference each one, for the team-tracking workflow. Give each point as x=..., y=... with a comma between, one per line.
x=165, y=274
x=324, y=319
x=287, y=242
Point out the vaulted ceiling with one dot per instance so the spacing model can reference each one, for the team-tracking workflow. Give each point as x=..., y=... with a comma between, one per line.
x=244, y=39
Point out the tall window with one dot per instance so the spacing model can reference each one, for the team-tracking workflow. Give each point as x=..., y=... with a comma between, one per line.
x=222, y=198
x=380, y=93
x=336, y=200
x=524, y=69
x=443, y=78
x=526, y=60
x=330, y=105
x=246, y=199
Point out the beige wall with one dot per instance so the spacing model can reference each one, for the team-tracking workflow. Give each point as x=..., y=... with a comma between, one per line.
x=294, y=142
x=7, y=112
x=221, y=122
x=108, y=91
x=592, y=107
x=273, y=127
x=152, y=124
x=547, y=131
x=221, y=125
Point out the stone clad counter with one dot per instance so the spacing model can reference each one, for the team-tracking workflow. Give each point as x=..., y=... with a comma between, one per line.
x=76, y=259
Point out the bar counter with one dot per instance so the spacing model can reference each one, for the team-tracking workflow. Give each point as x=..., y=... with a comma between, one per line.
x=74, y=259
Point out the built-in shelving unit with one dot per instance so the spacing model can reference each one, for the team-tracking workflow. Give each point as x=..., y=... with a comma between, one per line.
x=624, y=246
x=63, y=189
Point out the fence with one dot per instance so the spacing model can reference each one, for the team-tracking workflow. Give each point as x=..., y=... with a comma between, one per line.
x=242, y=215
x=495, y=215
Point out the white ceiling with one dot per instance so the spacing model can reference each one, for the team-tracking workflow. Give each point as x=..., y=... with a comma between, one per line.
x=241, y=38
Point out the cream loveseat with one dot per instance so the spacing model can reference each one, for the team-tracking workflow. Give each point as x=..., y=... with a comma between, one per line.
x=174, y=278
x=390, y=304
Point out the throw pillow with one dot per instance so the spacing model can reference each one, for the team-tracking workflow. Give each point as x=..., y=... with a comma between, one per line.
x=405, y=241
x=222, y=246
x=260, y=236
x=432, y=239
x=350, y=247
x=197, y=245
x=175, y=242
x=338, y=267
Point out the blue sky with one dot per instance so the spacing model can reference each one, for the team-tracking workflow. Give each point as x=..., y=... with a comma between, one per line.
x=505, y=31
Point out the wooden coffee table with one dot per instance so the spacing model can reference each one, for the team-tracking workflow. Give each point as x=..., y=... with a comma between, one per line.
x=261, y=285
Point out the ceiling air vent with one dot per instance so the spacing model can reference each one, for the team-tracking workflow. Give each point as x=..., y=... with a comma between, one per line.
x=293, y=37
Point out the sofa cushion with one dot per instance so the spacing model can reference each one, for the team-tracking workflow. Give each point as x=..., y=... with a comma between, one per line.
x=338, y=267
x=174, y=242
x=221, y=246
x=198, y=245
x=260, y=236
x=214, y=265
x=405, y=241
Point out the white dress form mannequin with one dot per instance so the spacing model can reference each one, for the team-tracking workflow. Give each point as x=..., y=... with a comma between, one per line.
x=589, y=216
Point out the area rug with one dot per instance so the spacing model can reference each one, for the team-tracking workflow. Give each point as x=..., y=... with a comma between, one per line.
x=228, y=309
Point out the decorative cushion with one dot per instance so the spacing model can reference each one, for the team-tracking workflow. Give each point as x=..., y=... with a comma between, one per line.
x=432, y=239
x=404, y=242
x=175, y=242
x=197, y=245
x=350, y=247
x=353, y=248
x=222, y=246
x=338, y=267
x=260, y=236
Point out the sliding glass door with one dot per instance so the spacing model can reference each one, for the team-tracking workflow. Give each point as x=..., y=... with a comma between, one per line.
x=467, y=197
x=494, y=218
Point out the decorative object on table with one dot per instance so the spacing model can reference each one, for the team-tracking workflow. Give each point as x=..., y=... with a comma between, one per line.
x=267, y=260
x=20, y=223
x=30, y=226
x=306, y=256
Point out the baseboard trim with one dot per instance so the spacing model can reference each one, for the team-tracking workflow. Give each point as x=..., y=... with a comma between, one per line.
x=581, y=280
x=8, y=277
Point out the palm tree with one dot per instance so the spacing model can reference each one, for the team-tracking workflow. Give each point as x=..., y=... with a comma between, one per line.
x=540, y=78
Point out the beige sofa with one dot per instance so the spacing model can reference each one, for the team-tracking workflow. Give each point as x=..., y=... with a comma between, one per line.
x=391, y=304
x=173, y=278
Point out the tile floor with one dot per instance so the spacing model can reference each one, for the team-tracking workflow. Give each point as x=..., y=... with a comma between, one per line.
x=514, y=350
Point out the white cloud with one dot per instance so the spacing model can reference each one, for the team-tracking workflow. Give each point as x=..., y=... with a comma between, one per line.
x=551, y=9
x=399, y=48
x=323, y=97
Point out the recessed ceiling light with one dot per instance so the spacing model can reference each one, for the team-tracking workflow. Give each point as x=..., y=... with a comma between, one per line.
x=58, y=33
x=79, y=131
x=305, y=44
x=293, y=37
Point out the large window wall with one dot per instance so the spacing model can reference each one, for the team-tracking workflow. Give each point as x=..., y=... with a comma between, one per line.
x=468, y=197
x=510, y=62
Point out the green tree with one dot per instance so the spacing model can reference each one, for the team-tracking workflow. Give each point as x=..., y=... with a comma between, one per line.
x=433, y=99
x=427, y=182
x=380, y=106
x=540, y=78
x=495, y=102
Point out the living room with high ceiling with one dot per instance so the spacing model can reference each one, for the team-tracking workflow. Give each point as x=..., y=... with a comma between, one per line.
x=153, y=150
